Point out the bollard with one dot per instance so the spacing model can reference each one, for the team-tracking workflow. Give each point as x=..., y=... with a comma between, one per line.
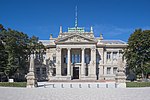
x=53, y=85
x=62, y=86
x=106, y=85
x=89, y=86
x=71, y=86
x=115, y=85
x=97, y=85
x=80, y=86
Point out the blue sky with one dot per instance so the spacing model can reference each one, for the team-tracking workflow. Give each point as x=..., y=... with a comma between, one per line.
x=115, y=19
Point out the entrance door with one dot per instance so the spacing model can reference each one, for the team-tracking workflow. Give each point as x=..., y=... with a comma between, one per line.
x=75, y=72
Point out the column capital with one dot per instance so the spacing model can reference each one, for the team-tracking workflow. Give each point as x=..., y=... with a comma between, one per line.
x=82, y=48
x=58, y=49
x=68, y=48
x=93, y=48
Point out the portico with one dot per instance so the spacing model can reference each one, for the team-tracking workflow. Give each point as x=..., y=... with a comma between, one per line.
x=77, y=61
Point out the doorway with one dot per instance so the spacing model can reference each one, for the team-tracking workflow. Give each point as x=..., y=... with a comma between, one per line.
x=75, y=72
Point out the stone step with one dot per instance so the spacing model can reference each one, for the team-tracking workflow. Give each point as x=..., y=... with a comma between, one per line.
x=77, y=85
x=77, y=80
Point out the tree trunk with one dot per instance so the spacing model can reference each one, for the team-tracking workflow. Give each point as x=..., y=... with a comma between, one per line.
x=142, y=70
x=142, y=75
x=7, y=78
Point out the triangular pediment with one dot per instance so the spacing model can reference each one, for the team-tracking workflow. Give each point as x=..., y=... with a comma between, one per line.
x=76, y=38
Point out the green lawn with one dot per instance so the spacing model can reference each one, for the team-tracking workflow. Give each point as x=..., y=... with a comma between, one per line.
x=23, y=84
x=14, y=84
x=138, y=84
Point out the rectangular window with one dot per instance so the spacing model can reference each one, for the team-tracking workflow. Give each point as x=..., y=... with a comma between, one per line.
x=65, y=61
x=76, y=58
x=54, y=72
x=54, y=59
x=97, y=58
x=114, y=55
x=38, y=71
x=108, y=55
x=108, y=70
x=87, y=58
x=72, y=58
x=43, y=70
x=114, y=70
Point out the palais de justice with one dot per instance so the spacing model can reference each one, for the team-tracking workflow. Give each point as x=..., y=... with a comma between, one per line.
x=78, y=54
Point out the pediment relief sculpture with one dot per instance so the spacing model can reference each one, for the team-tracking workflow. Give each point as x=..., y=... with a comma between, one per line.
x=76, y=39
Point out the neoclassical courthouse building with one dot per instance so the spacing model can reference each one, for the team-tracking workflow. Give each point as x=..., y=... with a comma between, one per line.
x=78, y=54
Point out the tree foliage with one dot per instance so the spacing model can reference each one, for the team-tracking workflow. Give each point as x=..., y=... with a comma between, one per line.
x=15, y=50
x=137, y=52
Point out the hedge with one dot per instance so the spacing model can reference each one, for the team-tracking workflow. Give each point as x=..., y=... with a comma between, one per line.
x=13, y=84
x=138, y=84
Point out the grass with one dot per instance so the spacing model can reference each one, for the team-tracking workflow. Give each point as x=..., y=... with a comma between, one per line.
x=23, y=84
x=14, y=84
x=138, y=84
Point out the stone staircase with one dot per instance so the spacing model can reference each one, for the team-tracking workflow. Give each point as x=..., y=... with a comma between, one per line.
x=77, y=84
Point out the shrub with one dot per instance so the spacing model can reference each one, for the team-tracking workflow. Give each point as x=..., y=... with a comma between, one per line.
x=138, y=84
x=14, y=84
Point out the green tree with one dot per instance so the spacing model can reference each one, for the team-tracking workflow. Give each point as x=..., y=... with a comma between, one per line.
x=15, y=50
x=137, y=52
x=3, y=59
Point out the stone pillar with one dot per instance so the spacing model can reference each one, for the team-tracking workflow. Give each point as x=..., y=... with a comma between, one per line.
x=31, y=79
x=82, y=63
x=58, y=61
x=111, y=70
x=111, y=57
x=92, y=70
x=105, y=57
x=68, y=64
x=117, y=55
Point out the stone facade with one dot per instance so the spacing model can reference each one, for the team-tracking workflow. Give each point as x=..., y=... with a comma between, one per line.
x=77, y=54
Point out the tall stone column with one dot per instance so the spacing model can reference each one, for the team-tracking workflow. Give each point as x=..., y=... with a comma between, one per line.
x=105, y=57
x=58, y=61
x=82, y=63
x=68, y=64
x=92, y=70
x=111, y=57
x=31, y=79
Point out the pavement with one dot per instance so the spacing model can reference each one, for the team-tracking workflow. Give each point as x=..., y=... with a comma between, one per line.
x=13, y=93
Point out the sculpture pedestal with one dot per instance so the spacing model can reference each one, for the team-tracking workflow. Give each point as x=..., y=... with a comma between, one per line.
x=31, y=80
x=121, y=79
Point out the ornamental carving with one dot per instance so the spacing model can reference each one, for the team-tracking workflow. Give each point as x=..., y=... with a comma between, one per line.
x=76, y=39
x=58, y=49
x=93, y=49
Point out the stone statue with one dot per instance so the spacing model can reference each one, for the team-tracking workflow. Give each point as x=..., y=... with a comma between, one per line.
x=31, y=79
x=120, y=75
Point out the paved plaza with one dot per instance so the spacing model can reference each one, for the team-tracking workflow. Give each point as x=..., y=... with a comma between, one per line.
x=10, y=93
